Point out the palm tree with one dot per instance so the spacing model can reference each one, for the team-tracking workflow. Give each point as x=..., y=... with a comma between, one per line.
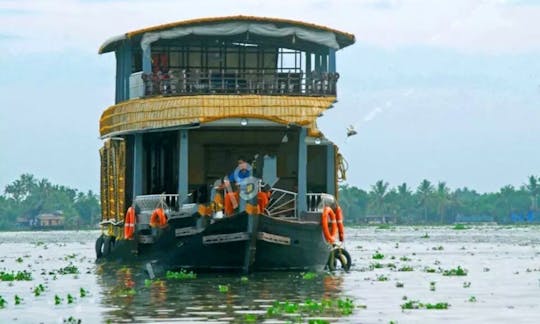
x=379, y=191
x=442, y=195
x=534, y=190
x=425, y=192
x=404, y=199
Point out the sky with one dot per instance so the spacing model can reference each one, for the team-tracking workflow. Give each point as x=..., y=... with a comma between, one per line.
x=439, y=90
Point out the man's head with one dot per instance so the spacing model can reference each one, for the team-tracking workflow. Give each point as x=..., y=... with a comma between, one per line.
x=242, y=163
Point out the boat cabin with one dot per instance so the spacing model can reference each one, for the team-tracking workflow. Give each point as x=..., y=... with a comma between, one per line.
x=192, y=97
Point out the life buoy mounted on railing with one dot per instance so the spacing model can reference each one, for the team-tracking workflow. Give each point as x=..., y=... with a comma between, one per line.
x=158, y=218
x=328, y=216
x=129, y=224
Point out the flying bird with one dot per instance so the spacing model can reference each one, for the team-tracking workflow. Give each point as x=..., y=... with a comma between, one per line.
x=351, y=131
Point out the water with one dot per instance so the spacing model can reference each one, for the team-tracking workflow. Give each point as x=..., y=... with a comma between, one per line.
x=503, y=266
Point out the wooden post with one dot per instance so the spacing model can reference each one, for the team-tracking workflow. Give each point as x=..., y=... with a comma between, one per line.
x=137, y=165
x=183, y=165
x=302, y=172
x=330, y=170
x=332, y=60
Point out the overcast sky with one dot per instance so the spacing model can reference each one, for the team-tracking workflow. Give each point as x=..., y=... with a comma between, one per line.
x=443, y=90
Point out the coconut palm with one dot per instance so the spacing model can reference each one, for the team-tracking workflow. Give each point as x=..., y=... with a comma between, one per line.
x=443, y=197
x=425, y=193
x=379, y=192
x=533, y=188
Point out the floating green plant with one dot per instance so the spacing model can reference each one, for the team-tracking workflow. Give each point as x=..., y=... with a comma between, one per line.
x=72, y=320
x=250, y=318
x=460, y=227
x=223, y=288
x=18, y=276
x=382, y=278
x=3, y=302
x=378, y=256
x=19, y=260
x=406, y=268
x=425, y=236
x=405, y=259
x=83, y=292
x=309, y=275
x=18, y=300
x=318, y=321
x=38, y=290
x=70, y=299
x=57, y=300
x=123, y=292
x=384, y=226
x=414, y=304
x=70, y=269
x=432, y=286
x=181, y=275
x=472, y=299
x=376, y=265
x=467, y=284
x=244, y=279
x=430, y=270
x=400, y=284
x=459, y=271
x=438, y=248
x=311, y=307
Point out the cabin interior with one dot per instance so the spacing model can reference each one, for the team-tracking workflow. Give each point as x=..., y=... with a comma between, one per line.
x=213, y=153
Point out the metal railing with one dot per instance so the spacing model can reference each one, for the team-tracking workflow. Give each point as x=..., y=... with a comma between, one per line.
x=292, y=82
x=317, y=201
x=282, y=203
x=147, y=203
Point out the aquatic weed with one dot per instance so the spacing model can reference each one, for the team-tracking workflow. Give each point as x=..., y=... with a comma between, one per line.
x=3, y=302
x=308, y=275
x=425, y=236
x=415, y=304
x=83, y=292
x=472, y=299
x=18, y=300
x=57, y=300
x=406, y=268
x=432, y=286
x=18, y=276
x=250, y=318
x=181, y=275
x=377, y=256
x=467, y=284
x=400, y=284
x=382, y=278
x=459, y=271
x=223, y=288
x=70, y=269
x=72, y=320
x=244, y=279
x=38, y=290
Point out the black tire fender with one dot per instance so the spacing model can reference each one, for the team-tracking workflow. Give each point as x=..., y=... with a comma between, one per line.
x=99, y=247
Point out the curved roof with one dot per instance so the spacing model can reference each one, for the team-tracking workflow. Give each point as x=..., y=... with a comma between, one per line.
x=343, y=39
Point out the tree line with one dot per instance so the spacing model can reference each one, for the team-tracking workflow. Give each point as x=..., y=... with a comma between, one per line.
x=28, y=197
x=436, y=203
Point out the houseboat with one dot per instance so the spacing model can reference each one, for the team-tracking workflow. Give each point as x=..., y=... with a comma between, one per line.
x=212, y=159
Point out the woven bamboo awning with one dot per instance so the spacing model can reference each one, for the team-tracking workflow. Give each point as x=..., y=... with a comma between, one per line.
x=162, y=112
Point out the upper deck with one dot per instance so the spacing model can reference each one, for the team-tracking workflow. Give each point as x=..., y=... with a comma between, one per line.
x=227, y=55
x=256, y=57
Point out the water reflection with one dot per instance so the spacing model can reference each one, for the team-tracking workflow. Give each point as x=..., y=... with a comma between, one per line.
x=128, y=294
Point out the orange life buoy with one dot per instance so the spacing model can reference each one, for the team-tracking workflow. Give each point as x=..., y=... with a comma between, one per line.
x=330, y=236
x=129, y=223
x=158, y=218
x=339, y=220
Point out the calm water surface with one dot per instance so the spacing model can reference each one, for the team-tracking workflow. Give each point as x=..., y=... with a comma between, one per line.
x=503, y=265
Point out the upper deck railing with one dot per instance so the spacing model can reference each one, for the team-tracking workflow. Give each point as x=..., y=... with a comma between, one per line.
x=195, y=82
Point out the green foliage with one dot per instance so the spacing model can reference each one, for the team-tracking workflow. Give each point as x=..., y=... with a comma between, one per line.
x=180, y=275
x=18, y=300
x=414, y=304
x=378, y=256
x=223, y=288
x=70, y=269
x=308, y=275
x=250, y=318
x=3, y=302
x=406, y=268
x=27, y=197
x=343, y=307
x=435, y=203
x=18, y=276
x=83, y=292
x=57, y=300
x=459, y=271
x=459, y=227
x=70, y=299
x=38, y=290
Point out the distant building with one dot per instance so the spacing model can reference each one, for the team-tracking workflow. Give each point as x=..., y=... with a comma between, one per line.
x=55, y=219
